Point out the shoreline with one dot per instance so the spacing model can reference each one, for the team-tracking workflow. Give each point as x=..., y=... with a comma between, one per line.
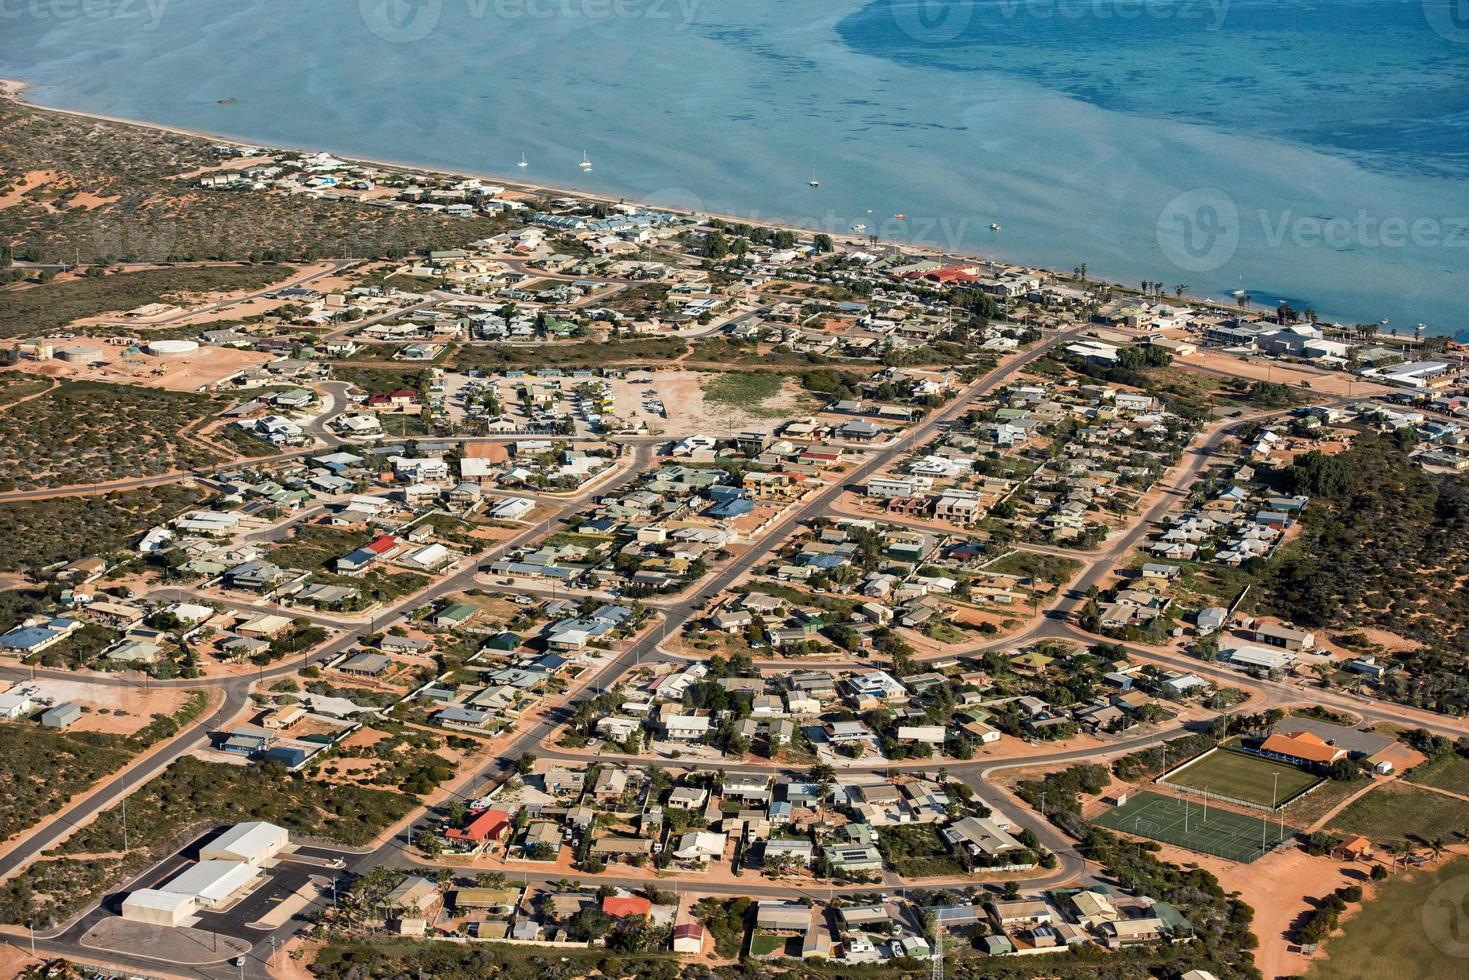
x=15, y=90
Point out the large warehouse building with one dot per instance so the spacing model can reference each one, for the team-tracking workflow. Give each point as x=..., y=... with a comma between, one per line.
x=213, y=884
x=228, y=867
x=158, y=908
x=253, y=843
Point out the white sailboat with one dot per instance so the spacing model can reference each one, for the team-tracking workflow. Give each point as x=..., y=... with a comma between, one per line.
x=813, y=181
x=585, y=164
x=523, y=163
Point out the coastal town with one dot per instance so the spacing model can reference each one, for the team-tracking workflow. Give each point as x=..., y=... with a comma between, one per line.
x=592, y=587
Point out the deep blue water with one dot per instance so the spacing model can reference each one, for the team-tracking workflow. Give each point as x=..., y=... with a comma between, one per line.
x=1293, y=148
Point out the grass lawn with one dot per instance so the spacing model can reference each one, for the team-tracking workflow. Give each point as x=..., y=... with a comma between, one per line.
x=1241, y=776
x=946, y=633
x=762, y=945
x=1323, y=799
x=1398, y=811
x=1449, y=771
x=1406, y=930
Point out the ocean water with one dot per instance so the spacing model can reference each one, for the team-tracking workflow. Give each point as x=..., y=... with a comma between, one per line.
x=1310, y=150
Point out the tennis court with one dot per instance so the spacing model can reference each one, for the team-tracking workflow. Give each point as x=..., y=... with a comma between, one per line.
x=1185, y=822
x=1243, y=776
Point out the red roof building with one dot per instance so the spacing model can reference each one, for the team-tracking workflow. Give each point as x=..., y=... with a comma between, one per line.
x=947, y=274
x=382, y=544
x=402, y=398
x=487, y=825
x=620, y=907
x=1303, y=747
x=688, y=938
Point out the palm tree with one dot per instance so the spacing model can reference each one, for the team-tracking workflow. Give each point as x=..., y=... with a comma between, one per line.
x=1437, y=847
x=1399, y=849
x=1178, y=289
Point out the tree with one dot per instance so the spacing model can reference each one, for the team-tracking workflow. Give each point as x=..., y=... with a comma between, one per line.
x=822, y=243
x=588, y=924
x=715, y=246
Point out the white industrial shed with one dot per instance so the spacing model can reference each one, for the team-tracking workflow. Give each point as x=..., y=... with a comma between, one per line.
x=158, y=908
x=213, y=883
x=253, y=843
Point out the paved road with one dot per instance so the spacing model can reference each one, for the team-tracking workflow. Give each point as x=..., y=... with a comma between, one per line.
x=237, y=689
x=1057, y=624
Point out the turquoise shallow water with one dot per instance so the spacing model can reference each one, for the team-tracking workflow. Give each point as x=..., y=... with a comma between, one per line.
x=1299, y=149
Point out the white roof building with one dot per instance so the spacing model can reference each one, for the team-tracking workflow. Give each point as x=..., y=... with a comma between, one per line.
x=700, y=845
x=431, y=557
x=213, y=883
x=1261, y=658
x=513, y=509
x=14, y=705
x=253, y=843
x=158, y=908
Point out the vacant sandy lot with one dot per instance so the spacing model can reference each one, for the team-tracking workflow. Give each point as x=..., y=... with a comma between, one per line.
x=1329, y=382
x=28, y=182
x=204, y=368
x=128, y=708
x=1276, y=887
x=682, y=395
